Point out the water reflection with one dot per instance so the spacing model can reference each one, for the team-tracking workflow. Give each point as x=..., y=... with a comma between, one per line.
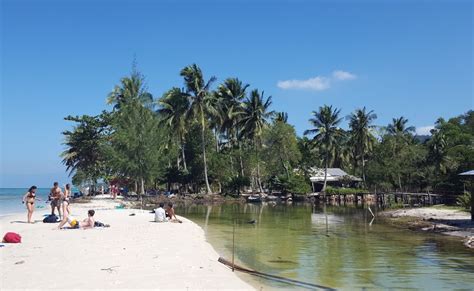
x=333, y=246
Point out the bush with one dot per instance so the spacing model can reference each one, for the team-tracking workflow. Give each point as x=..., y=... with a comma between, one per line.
x=235, y=184
x=345, y=191
x=298, y=184
x=465, y=200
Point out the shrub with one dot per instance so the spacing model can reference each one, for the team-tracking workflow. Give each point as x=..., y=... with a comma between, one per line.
x=465, y=200
x=345, y=191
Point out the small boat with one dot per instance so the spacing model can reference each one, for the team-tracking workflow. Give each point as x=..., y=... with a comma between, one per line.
x=254, y=199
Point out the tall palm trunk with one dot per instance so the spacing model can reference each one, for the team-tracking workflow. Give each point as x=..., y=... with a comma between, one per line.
x=326, y=173
x=183, y=155
x=259, y=182
x=216, y=136
x=241, y=161
x=142, y=186
x=363, y=169
x=203, y=145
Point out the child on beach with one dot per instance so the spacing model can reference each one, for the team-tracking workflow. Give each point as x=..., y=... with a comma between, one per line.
x=29, y=198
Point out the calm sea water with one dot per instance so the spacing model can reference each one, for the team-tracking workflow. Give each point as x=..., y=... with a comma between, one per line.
x=347, y=252
x=10, y=199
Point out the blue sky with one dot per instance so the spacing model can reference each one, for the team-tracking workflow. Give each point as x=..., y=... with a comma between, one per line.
x=63, y=57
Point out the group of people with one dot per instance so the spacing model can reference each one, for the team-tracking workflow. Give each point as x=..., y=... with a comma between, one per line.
x=168, y=215
x=61, y=201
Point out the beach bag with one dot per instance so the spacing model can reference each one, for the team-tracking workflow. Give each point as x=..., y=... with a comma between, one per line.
x=12, y=238
x=51, y=219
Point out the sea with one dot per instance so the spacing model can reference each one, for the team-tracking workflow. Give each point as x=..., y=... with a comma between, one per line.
x=11, y=198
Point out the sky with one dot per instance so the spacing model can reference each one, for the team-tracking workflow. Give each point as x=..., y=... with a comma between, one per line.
x=410, y=58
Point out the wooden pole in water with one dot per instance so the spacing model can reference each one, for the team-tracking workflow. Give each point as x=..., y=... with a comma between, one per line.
x=233, y=245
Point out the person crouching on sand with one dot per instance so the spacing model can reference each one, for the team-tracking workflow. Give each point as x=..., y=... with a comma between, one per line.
x=171, y=215
x=74, y=223
x=29, y=198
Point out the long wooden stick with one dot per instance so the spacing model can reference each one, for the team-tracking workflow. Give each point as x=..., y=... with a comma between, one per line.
x=272, y=277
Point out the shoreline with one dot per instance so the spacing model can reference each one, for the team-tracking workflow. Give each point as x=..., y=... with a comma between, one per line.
x=446, y=221
x=133, y=253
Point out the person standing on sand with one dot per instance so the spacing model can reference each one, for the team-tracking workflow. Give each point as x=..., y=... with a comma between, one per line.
x=67, y=199
x=29, y=198
x=56, y=198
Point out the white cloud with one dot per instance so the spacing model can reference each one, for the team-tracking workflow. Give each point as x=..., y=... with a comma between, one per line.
x=424, y=130
x=318, y=83
x=343, y=75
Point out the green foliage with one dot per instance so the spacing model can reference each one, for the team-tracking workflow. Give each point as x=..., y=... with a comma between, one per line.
x=465, y=200
x=236, y=183
x=345, y=191
x=85, y=153
x=228, y=137
x=281, y=152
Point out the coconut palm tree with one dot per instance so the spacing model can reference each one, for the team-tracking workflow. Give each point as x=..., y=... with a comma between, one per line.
x=174, y=107
x=231, y=93
x=398, y=127
x=360, y=124
x=325, y=123
x=281, y=117
x=198, y=92
x=254, y=119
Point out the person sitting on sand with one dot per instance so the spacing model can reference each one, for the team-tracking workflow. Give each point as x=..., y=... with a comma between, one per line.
x=160, y=214
x=74, y=223
x=171, y=215
x=29, y=198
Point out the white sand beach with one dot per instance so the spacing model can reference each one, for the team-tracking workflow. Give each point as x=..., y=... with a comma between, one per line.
x=133, y=253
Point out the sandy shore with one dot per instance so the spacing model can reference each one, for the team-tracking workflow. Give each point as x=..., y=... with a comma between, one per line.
x=133, y=253
x=451, y=222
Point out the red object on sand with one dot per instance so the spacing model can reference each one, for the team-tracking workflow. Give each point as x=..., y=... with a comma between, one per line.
x=12, y=238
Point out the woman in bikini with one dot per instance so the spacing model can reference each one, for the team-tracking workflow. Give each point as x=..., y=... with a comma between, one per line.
x=66, y=200
x=29, y=198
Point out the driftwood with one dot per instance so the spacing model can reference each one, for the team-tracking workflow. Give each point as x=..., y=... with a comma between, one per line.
x=271, y=277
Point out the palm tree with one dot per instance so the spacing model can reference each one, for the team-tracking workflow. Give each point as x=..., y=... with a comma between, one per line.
x=254, y=120
x=130, y=88
x=325, y=129
x=398, y=127
x=198, y=92
x=360, y=123
x=231, y=93
x=402, y=135
x=281, y=117
x=174, y=106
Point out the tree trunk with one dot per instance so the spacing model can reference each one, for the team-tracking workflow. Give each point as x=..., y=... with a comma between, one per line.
x=363, y=169
x=326, y=173
x=400, y=182
x=217, y=140
x=203, y=145
x=259, y=182
x=142, y=186
x=183, y=157
x=241, y=162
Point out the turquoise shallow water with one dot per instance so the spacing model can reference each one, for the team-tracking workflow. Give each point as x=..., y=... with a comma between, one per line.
x=10, y=199
x=348, y=252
